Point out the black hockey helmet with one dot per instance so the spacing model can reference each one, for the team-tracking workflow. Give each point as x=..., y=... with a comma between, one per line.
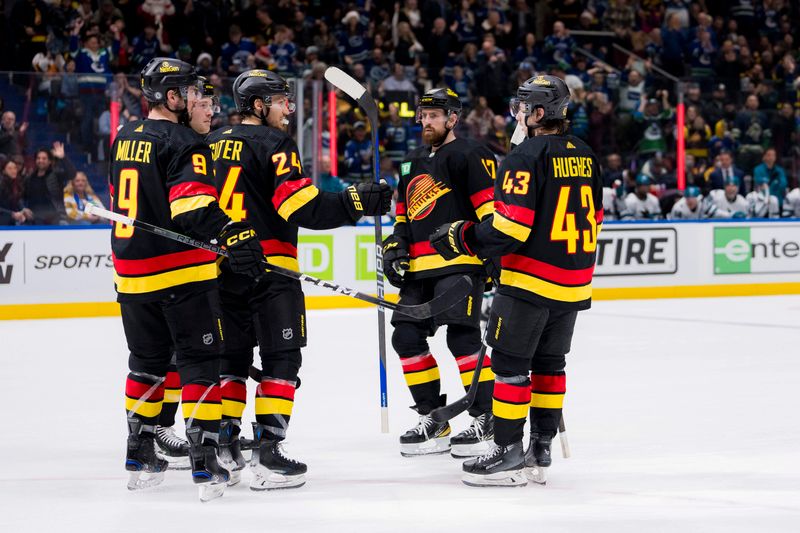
x=545, y=91
x=440, y=98
x=258, y=83
x=164, y=73
x=207, y=90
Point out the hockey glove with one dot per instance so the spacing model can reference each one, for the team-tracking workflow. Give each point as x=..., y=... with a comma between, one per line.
x=395, y=255
x=492, y=267
x=450, y=239
x=245, y=255
x=367, y=199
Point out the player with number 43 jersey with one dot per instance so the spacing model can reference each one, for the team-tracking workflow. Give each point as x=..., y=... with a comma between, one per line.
x=548, y=208
x=260, y=180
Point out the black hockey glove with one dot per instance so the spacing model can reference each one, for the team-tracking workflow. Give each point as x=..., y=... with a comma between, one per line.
x=492, y=267
x=450, y=239
x=245, y=255
x=367, y=199
x=395, y=259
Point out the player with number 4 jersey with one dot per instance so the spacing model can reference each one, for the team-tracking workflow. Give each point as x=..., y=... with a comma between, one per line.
x=548, y=208
x=260, y=180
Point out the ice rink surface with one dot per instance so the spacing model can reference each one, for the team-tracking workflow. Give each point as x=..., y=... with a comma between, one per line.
x=682, y=416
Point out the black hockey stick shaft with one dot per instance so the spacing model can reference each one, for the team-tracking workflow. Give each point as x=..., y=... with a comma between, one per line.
x=452, y=410
x=421, y=311
x=562, y=436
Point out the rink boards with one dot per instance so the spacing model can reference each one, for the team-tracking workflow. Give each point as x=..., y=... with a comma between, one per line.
x=67, y=272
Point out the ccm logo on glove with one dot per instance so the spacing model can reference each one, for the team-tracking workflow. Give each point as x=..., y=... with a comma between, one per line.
x=242, y=236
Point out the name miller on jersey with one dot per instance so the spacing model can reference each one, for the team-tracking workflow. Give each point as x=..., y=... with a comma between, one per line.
x=572, y=167
x=137, y=151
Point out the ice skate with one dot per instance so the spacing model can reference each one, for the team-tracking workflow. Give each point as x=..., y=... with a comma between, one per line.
x=272, y=469
x=503, y=466
x=230, y=451
x=171, y=448
x=426, y=438
x=537, y=458
x=145, y=468
x=207, y=474
x=476, y=440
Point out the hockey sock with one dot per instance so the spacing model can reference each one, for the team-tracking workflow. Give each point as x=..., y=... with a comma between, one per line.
x=234, y=396
x=510, y=403
x=547, y=399
x=202, y=407
x=466, y=366
x=274, y=402
x=144, y=394
x=422, y=377
x=172, y=395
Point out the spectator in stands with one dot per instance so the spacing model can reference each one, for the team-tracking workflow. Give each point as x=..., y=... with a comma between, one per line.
x=559, y=45
x=12, y=205
x=612, y=170
x=284, y=52
x=697, y=134
x=77, y=195
x=654, y=116
x=44, y=188
x=479, y=120
x=398, y=80
x=771, y=173
x=620, y=18
x=146, y=46
x=327, y=181
x=465, y=23
x=130, y=98
x=354, y=42
x=785, y=127
x=753, y=132
x=205, y=65
x=498, y=140
x=378, y=70
x=492, y=75
x=358, y=155
x=529, y=52
x=406, y=46
x=640, y=203
x=675, y=45
x=440, y=44
x=29, y=20
x=233, y=57
x=726, y=169
x=396, y=135
x=12, y=136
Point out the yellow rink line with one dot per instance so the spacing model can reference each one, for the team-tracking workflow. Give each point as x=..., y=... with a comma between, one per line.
x=98, y=309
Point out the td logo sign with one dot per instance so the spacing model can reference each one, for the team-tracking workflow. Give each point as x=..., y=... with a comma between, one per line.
x=315, y=255
x=365, y=257
x=756, y=249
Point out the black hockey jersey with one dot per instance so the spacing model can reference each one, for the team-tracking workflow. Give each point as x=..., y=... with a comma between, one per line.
x=548, y=209
x=452, y=183
x=161, y=173
x=260, y=179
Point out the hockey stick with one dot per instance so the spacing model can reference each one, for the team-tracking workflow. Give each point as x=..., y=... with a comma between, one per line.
x=562, y=436
x=452, y=410
x=425, y=310
x=357, y=92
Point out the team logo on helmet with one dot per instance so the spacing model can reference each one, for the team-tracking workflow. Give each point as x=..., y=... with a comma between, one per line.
x=423, y=191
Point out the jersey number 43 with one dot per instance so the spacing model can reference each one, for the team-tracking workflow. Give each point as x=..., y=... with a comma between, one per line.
x=564, y=222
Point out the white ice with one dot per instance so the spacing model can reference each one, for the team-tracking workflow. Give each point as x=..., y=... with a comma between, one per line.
x=682, y=416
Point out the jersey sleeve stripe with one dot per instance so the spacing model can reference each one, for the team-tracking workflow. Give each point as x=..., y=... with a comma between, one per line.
x=276, y=247
x=297, y=200
x=139, y=267
x=184, y=205
x=432, y=262
x=481, y=197
x=484, y=210
x=157, y=282
x=544, y=288
x=562, y=276
x=287, y=189
x=191, y=188
x=400, y=219
x=516, y=213
x=400, y=208
x=509, y=227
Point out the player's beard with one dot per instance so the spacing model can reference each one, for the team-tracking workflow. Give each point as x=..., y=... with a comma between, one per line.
x=432, y=137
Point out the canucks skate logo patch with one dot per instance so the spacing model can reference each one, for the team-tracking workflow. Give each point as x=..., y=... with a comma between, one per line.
x=208, y=338
x=288, y=334
x=422, y=193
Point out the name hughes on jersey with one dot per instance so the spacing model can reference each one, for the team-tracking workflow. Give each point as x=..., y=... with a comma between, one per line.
x=572, y=167
x=137, y=151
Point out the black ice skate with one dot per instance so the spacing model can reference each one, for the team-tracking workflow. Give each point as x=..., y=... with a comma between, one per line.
x=146, y=469
x=537, y=458
x=171, y=448
x=426, y=438
x=272, y=469
x=476, y=439
x=501, y=467
x=207, y=474
x=230, y=450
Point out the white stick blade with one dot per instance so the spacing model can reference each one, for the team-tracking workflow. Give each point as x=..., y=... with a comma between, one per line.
x=343, y=81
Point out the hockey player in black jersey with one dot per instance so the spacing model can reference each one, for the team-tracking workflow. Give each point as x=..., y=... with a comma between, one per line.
x=547, y=265
x=261, y=180
x=444, y=180
x=161, y=173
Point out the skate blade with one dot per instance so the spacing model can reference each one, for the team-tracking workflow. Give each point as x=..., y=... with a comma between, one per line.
x=265, y=479
x=463, y=451
x=537, y=474
x=211, y=491
x=235, y=477
x=144, y=480
x=429, y=447
x=511, y=478
x=175, y=463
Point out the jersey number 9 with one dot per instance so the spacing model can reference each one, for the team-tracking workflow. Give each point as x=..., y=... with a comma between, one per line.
x=128, y=200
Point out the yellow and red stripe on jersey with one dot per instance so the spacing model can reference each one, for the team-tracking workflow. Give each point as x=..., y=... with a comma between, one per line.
x=400, y=213
x=233, y=391
x=510, y=401
x=425, y=257
x=172, y=387
x=482, y=202
x=201, y=402
x=275, y=396
x=547, y=391
x=190, y=195
x=513, y=220
x=466, y=366
x=419, y=369
x=137, y=400
x=291, y=195
x=138, y=276
x=279, y=253
x=546, y=280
